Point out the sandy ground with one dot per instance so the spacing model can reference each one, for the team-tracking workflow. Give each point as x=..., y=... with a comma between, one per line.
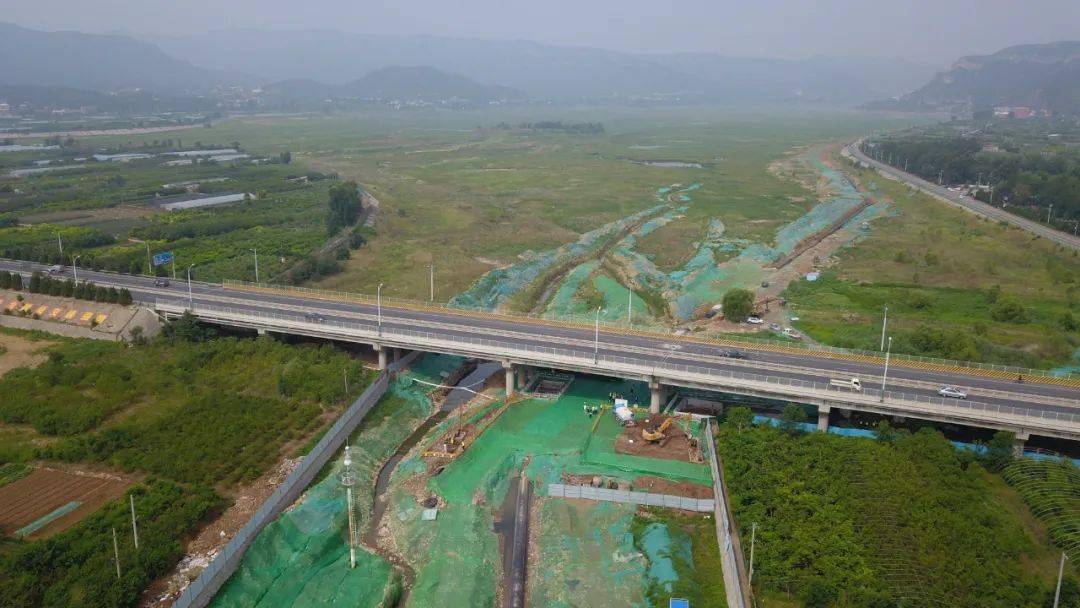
x=673, y=447
x=21, y=352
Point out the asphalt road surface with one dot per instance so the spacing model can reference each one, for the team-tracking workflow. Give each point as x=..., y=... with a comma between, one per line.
x=806, y=366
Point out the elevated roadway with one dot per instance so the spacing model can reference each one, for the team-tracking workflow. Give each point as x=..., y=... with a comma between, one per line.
x=1040, y=406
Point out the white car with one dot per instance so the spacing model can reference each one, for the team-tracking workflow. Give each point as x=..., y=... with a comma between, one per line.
x=952, y=391
x=754, y=320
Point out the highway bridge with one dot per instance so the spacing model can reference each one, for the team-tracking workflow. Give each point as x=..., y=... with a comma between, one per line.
x=1042, y=405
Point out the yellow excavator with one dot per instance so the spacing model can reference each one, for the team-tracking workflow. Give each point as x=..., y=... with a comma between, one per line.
x=656, y=433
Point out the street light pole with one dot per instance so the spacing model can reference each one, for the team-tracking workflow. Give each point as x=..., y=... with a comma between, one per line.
x=60, y=244
x=191, y=304
x=378, y=306
x=431, y=269
x=884, y=321
x=149, y=265
x=885, y=376
x=629, y=305
x=596, y=343
x=75, y=266
x=256, y=252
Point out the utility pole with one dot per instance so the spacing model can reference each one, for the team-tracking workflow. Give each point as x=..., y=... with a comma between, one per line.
x=116, y=553
x=174, y=268
x=345, y=372
x=753, y=537
x=60, y=244
x=256, y=252
x=940, y=177
x=348, y=479
x=1061, y=572
x=149, y=264
x=75, y=266
x=1048, y=212
x=629, y=305
x=885, y=376
x=134, y=525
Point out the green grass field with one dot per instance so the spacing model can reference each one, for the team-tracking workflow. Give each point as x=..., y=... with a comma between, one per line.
x=941, y=271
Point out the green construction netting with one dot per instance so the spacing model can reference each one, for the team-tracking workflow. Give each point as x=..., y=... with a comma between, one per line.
x=457, y=556
x=301, y=559
x=587, y=557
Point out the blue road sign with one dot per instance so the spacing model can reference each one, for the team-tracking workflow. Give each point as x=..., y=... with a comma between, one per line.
x=675, y=602
x=163, y=258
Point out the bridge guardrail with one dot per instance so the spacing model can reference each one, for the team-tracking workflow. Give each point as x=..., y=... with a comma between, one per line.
x=868, y=397
x=623, y=327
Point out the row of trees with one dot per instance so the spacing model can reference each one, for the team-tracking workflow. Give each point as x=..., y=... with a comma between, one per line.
x=66, y=288
x=1038, y=178
x=590, y=128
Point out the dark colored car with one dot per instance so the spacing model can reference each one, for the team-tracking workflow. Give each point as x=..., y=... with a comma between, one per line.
x=733, y=354
x=161, y=282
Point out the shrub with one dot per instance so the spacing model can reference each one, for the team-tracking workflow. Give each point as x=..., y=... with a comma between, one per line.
x=738, y=304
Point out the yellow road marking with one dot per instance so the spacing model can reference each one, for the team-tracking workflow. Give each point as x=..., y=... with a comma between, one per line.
x=101, y=319
x=71, y=314
x=86, y=316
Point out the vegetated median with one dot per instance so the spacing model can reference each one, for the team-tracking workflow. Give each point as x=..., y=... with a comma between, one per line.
x=195, y=416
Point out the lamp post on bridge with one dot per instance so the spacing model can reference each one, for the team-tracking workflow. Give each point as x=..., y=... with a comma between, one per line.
x=884, y=322
x=596, y=342
x=885, y=376
x=378, y=306
x=191, y=303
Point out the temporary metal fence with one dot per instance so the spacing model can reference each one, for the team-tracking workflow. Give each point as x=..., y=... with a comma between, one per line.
x=648, y=499
x=389, y=302
x=896, y=401
x=202, y=589
x=736, y=579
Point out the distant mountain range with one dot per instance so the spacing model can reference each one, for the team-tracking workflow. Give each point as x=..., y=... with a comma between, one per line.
x=1040, y=76
x=294, y=63
x=96, y=62
x=548, y=72
x=393, y=83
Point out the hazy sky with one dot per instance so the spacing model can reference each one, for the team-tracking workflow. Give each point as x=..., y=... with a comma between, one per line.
x=934, y=30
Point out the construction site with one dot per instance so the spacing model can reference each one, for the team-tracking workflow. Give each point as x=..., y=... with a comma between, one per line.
x=567, y=493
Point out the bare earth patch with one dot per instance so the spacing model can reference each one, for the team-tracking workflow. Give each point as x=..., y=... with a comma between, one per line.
x=21, y=352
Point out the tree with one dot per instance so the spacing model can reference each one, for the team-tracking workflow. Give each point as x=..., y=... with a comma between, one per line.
x=791, y=417
x=738, y=304
x=286, y=157
x=343, y=208
x=884, y=431
x=999, y=450
x=125, y=297
x=740, y=417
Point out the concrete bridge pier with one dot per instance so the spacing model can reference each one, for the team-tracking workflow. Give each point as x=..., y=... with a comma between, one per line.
x=1018, y=444
x=823, y=418
x=509, y=368
x=260, y=331
x=383, y=355
x=522, y=377
x=656, y=395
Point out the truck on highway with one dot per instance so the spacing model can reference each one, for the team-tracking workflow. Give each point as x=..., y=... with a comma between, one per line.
x=853, y=384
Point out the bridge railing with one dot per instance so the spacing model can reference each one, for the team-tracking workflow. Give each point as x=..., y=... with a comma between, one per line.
x=642, y=328
x=1005, y=414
